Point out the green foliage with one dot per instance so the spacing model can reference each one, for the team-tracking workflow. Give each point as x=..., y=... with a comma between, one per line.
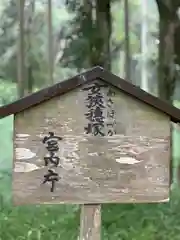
x=39, y=222
x=83, y=36
x=74, y=37
x=61, y=222
x=118, y=33
x=142, y=221
x=36, y=41
x=8, y=92
x=79, y=37
x=119, y=222
x=176, y=139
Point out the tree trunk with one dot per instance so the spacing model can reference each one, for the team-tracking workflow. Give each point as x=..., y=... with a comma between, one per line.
x=102, y=40
x=21, y=50
x=166, y=67
x=50, y=44
x=168, y=20
x=88, y=21
x=127, y=41
x=167, y=73
x=29, y=27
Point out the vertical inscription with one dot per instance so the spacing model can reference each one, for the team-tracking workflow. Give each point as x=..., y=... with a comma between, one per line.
x=111, y=118
x=100, y=113
x=101, y=121
x=95, y=105
x=51, y=160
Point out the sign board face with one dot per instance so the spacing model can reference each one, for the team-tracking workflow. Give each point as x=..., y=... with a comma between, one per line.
x=94, y=144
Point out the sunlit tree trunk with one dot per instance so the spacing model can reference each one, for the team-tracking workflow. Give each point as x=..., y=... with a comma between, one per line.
x=50, y=44
x=127, y=41
x=144, y=46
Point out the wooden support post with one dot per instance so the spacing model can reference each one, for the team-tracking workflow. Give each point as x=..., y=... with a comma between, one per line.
x=90, y=225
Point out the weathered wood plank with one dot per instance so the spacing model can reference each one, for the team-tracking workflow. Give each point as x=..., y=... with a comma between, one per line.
x=131, y=166
x=90, y=222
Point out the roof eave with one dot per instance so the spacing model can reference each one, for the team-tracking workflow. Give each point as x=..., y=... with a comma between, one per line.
x=49, y=92
x=141, y=95
x=85, y=77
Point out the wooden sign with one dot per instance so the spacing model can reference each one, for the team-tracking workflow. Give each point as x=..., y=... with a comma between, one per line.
x=92, y=145
x=89, y=141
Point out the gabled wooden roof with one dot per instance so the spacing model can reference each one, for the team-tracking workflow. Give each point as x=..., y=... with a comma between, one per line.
x=92, y=74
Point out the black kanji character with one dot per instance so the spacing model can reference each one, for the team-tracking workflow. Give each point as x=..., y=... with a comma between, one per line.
x=88, y=129
x=51, y=137
x=52, y=177
x=97, y=127
x=51, y=141
x=96, y=100
x=98, y=115
x=52, y=159
x=95, y=88
x=90, y=115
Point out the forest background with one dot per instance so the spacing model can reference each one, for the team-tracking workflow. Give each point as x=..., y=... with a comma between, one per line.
x=44, y=42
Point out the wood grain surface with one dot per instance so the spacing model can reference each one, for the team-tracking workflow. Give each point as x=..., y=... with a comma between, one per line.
x=90, y=222
x=130, y=166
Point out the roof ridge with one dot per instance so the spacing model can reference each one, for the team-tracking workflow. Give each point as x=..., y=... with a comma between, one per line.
x=67, y=85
